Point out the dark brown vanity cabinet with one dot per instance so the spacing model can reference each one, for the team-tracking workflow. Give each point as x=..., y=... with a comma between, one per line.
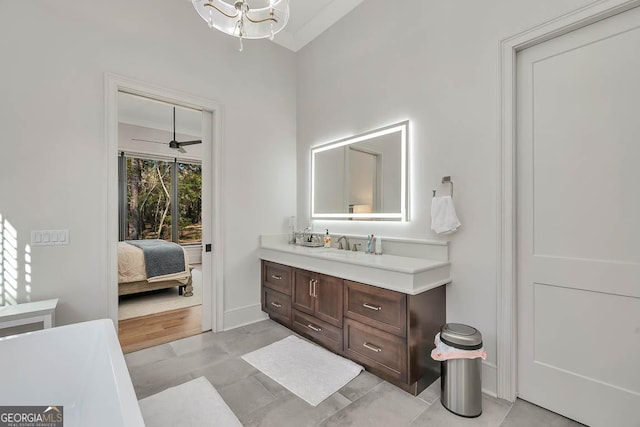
x=388, y=332
x=316, y=301
x=318, y=295
x=375, y=329
x=276, y=288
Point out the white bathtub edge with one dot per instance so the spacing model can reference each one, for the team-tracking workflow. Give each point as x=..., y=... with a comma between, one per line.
x=128, y=399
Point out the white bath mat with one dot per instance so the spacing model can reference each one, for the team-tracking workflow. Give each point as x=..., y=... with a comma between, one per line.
x=193, y=404
x=307, y=370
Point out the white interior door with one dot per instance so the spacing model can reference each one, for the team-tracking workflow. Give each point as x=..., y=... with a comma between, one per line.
x=578, y=216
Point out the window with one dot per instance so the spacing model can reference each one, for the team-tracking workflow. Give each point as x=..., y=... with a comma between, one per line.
x=189, y=203
x=157, y=191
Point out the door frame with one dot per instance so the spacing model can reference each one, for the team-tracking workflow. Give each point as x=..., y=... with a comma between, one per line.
x=213, y=297
x=506, y=333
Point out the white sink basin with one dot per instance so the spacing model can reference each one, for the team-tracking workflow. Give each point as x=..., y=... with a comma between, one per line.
x=338, y=253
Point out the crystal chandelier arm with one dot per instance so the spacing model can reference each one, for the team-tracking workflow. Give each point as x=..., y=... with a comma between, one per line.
x=222, y=11
x=257, y=21
x=244, y=22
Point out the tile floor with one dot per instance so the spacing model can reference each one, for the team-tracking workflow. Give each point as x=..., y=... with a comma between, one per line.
x=259, y=401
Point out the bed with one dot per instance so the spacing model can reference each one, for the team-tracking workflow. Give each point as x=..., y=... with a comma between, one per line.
x=147, y=265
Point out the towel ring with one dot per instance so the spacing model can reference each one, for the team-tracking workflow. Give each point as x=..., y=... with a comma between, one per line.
x=445, y=180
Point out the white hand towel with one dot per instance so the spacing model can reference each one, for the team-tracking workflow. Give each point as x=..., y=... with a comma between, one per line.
x=443, y=215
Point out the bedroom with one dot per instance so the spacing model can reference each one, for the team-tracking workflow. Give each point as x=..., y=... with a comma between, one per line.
x=438, y=65
x=158, y=181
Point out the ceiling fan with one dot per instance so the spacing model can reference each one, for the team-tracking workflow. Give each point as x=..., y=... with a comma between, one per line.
x=173, y=143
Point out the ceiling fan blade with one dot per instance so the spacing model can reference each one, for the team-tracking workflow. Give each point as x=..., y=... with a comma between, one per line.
x=182, y=150
x=147, y=140
x=190, y=142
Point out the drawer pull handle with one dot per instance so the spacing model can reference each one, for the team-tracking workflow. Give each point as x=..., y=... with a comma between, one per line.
x=314, y=328
x=275, y=304
x=372, y=347
x=372, y=307
x=276, y=277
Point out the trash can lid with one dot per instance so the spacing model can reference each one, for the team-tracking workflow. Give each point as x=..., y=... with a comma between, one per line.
x=461, y=336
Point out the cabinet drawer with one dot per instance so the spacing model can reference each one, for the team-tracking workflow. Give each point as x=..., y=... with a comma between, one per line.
x=383, y=353
x=317, y=330
x=381, y=308
x=277, y=305
x=277, y=277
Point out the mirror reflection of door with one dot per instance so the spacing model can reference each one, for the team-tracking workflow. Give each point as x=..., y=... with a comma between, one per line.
x=363, y=181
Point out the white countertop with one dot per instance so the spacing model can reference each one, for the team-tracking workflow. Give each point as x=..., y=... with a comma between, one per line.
x=404, y=274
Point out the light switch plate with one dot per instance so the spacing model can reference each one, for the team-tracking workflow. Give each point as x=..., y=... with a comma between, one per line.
x=49, y=237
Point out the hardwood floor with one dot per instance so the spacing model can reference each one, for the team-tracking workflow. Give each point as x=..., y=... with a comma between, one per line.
x=159, y=328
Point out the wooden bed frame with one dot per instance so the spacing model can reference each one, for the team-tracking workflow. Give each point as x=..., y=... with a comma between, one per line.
x=144, y=286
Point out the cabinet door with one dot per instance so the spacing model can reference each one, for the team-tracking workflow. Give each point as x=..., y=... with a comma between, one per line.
x=328, y=299
x=303, y=299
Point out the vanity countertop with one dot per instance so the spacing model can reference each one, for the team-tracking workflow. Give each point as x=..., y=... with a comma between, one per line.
x=399, y=273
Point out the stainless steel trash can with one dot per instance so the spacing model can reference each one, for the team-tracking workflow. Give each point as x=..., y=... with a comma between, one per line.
x=460, y=381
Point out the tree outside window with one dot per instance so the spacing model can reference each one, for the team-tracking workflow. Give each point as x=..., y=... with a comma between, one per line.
x=150, y=213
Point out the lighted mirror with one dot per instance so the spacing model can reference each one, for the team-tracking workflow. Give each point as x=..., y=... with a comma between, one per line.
x=363, y=177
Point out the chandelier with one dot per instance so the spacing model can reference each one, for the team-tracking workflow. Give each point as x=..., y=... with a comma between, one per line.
x=242, y=21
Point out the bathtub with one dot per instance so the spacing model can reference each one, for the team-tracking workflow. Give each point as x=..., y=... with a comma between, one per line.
x=79, y=367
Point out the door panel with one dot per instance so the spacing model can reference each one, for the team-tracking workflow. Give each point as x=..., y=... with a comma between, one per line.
x=302, y=298
x=578, y=262
x=328, y=299
x=582, y=315
x=586, y=127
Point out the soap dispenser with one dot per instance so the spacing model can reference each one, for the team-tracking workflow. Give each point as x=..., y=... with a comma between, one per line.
x=327, y=240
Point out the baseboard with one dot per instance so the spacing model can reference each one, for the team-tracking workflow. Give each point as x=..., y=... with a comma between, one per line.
x=242, y=316
x=489, y=379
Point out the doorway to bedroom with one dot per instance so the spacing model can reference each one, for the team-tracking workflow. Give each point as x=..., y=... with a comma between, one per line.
x=160, y=227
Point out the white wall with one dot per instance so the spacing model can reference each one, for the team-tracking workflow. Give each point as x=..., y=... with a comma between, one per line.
x=436, y=65
x=52, y=158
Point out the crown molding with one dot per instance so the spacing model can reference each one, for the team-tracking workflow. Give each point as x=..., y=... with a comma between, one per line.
x=328, y=16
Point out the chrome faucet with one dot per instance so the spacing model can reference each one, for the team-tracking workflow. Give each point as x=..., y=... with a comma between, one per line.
x=346, y=240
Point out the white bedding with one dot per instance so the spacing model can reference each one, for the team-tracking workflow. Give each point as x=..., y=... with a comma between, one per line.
x=131, y=267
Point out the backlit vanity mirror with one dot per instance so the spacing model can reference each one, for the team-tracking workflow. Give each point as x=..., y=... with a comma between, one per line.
x=363, y=177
